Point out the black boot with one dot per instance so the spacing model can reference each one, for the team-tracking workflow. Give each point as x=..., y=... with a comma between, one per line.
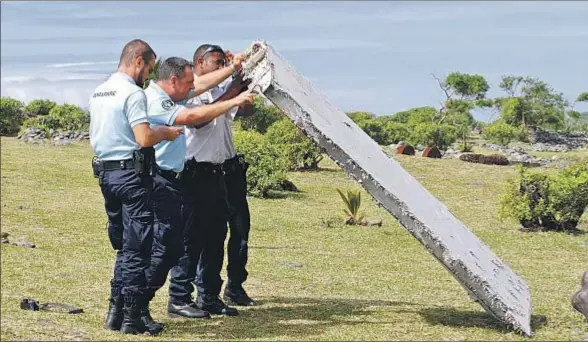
x=132, y=323
x=153, y=327
x=185, y=308
x=114, y=317
x=236, y=295
x=215, y=305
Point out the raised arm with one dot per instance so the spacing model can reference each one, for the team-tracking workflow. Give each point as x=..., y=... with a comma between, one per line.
x=198, y=115
x=212, y=79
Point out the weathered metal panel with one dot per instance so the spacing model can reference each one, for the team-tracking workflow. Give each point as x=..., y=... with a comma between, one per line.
x=487, y=279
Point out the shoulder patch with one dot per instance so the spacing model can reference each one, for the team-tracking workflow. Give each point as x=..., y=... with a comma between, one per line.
x=167, y=104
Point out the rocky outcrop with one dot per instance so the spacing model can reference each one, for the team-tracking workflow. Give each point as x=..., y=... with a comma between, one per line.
x=37, y=136
x=558, y=141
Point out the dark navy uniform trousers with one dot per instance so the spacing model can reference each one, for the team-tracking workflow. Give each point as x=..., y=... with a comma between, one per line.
x=212, y=195
x=130, y=228
x=168, y=229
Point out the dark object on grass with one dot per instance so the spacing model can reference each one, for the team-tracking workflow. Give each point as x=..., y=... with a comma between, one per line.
x=33, y=305
x=288, y=186
x=580, y=298
x=493, y=159
x=432, y=152
x=405, y=149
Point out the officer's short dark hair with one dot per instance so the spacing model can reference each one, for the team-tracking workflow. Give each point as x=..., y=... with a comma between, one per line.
x=204, y=49
x=136, y=48
x=173, y=66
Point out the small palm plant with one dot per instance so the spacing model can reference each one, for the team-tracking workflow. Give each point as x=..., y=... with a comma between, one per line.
x=352, y=203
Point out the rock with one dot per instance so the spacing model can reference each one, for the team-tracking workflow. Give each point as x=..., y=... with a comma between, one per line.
x=432, y=152
x=400, y=143
x=580, y=298
x=51, y=131
x=405, y=149
x=371, y=223
x=420, y=147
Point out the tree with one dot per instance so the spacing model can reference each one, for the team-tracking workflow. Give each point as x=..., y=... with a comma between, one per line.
x=358, y=117
x=11, y=115
x=532, y=103
x=154, y=74
x=39, y=107
x=263, y=117
x=302, y=153
x=583, y=97
x=463, y=93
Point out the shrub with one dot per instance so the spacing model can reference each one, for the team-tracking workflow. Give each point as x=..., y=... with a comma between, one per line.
x=39, y=107
x=493, y=159
x=301, y=152
x=499, y=132
x=65, y=117
x=395, y=132
x=263, y=117
x=11, y=115
x=429, y=134
x=267, y=165
x=553, y=201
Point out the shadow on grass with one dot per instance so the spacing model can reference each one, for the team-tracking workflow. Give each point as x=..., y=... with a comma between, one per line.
x=275, y=317
x=472, y=319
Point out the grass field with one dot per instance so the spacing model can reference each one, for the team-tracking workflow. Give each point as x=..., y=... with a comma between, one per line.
x=314, y=281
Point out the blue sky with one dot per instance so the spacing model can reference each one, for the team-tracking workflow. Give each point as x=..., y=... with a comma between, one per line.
x=373, y=56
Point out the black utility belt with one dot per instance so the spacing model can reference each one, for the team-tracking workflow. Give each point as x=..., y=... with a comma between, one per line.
x=112, y=165
x=169, y=174
x=143, y=162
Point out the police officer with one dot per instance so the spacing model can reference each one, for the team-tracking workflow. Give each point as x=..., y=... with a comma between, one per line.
x=214, y=187
x=122, y=141
x=165, y=102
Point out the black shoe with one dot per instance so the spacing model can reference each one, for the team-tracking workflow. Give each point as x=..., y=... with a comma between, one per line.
x=238, y=297
x=215, y=305
x=183, y=309
x=115, y=314
x=153, y=327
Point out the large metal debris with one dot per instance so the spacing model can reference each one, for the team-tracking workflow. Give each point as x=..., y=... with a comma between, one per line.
x=487, y=279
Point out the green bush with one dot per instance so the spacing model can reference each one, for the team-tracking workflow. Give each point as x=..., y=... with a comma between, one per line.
x=395, y=132
x=267, y=165
x=550, y=201
x=301, y=152
x=65, y=117
x=430, y=134
x=11, y=115
x=263, y=117
x=499, y=132
x=39, y=107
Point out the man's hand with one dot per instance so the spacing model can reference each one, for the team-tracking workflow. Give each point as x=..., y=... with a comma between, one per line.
x=171, y=133
x=243, y=99
x=237, y=86
x=228, y=57
x=237, y=60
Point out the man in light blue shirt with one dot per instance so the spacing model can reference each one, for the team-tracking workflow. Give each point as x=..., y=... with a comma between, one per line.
x=123, y=141
x=175, y=84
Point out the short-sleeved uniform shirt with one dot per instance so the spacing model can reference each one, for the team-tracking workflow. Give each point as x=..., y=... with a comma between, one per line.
x=162, y=110
x=213, y=142
x=116, y=106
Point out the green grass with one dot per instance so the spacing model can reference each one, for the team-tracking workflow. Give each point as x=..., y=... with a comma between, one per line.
x=314, y=282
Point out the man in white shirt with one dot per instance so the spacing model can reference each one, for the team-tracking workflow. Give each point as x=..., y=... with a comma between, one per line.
x=214, y=193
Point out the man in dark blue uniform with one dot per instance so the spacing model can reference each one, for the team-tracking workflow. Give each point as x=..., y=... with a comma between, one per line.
x=166, y=99
x=123, y=142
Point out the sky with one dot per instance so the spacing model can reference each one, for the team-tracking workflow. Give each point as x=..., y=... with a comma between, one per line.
x=370, y=56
